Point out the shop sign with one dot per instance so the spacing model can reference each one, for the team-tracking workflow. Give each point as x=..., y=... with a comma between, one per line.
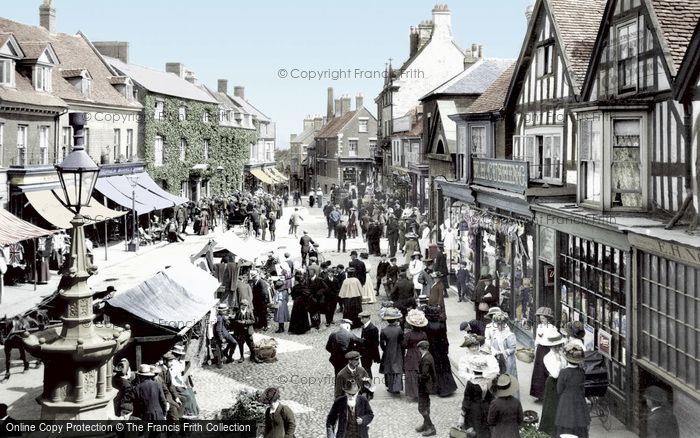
x=501, y=174
x=549, y=275
x=671, y=250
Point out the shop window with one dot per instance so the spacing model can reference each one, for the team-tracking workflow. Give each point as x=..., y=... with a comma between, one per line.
x=592, y=289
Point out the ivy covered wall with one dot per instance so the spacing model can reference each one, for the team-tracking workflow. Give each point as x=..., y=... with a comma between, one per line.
x=229, y=147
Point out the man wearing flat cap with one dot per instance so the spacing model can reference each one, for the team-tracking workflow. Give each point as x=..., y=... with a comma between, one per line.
x=426, y=383
x=353, y=371
x=350, y=414
x=661, y=422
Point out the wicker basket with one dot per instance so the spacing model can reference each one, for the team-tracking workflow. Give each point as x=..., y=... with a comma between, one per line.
x=526, y=355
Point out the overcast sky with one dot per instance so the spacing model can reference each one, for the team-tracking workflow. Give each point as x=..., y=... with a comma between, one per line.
x=249, y=42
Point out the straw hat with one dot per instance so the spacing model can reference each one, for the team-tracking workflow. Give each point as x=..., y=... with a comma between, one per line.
x=506, y=385
x=500, y=318
x=222, y=307
x=494, y=310
x=416, y=318
x=545, y=311
x=552, y=337
x=417, y=254
x=574, y=353
x=145, y=370
x=391, y=314
x=478, y=365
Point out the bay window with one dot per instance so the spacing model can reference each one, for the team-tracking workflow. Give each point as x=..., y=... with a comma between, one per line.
x=590, y=153
x=543, y=151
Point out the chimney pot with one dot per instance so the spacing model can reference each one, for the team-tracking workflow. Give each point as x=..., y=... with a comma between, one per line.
x=481, y=52
x=239, y=91
x=222, y=86
x=47, y=16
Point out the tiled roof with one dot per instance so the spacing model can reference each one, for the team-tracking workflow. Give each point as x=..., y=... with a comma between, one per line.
x=73, y=52
x=305, y=137
x=24, y=93
x=475, y=79
x=118, y=80
x=677, y=19
x=72, y=72
x=161, y=82
x=494, y=97
x=577, y=23
x=335, y=125
x=250, y=108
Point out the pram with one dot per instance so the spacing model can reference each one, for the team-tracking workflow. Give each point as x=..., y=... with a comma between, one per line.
x=596, y=386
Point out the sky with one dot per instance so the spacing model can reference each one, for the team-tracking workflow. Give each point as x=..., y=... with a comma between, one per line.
x=250, y=43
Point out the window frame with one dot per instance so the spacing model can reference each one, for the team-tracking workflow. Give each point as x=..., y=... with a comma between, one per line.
x=9, y=71
x=44, y=134
x=545, y=60
x=117, y=144
x=42, y=82
x=158, y=150
x=363, y=122
x=526, y=148
x=182, y=113
x=129, y=143
x=2, y=144
x=183, y=150
x=159, y=104
x=205, y=148
x=22, y=132
x=352, y=151
x=621, y=64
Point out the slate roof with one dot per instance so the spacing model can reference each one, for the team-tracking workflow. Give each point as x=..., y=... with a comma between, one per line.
x=73, y=52
x=677, y=19
x=306, y=137
x=577, y=23
x=493, y=99
x=335, y=125
x=161, y=82
x=74, y=73
x=250, y=108
x=475, y=79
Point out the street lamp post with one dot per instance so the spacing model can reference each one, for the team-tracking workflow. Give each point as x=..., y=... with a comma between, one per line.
x=77, y=356
x=134, y=245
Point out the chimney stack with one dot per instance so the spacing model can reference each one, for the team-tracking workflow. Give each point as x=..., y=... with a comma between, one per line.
x=359, y=101
x=318, y=122
x=329, y=105
x=222, y=86
x=308, y=123
x=442, y=22
x=47, y=16
x=190, y=77
x=336, y=107
x=239, y=91
x=481, y=52
x=472, y=56
x=412, y=41
x=176, y=67
x=345, y=104
x=113, y=49
x=529, y=10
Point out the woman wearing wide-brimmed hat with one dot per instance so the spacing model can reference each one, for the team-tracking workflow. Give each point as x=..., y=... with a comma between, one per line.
x=473, y=343
x=390, y=341
x=573, y=416
x=281, y=299
x=506, y=412
x=575, y=332
x=485, y=295
x=504, y=345
x=554, y=362
x=539, y=373
x=478, y=395
x=411, y=246
x=412, y=336
x=436, y=330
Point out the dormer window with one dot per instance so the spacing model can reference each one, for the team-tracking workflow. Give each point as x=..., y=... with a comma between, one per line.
x=9, y=53
x=7, y=72
x=42, y=78
x=80, y=79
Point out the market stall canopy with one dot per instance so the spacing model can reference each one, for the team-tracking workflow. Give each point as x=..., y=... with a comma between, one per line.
x=119, y=189
x=14, y=229
x=246, y=249
x=262, y=176
x=175, y=299
x=47, y=204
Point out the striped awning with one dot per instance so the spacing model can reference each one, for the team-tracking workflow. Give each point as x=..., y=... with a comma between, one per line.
x=46, y=203
x=280, y=176
x=262, y=176
x=14, y=229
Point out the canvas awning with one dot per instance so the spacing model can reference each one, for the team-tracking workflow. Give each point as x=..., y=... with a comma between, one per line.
x=14, y=229
x=147, y=183
x=105, y=186
x=262, y=176
x=175, y=299
x=148, y=199
x=279, y=175
x=46, y=203
x=268, y=171
x=247, y=249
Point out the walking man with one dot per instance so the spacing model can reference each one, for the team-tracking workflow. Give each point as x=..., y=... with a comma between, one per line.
x=294, y=222
x=426, y=376
x=341, y=233
x=370, y=342
x=305, y=242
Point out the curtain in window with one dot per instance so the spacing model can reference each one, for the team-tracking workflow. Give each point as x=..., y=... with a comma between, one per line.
x=626, y=164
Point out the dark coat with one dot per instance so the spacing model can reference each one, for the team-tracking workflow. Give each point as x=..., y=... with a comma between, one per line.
x=243, y=323
x=572, y=410
x=149, y=401
x=441, y=264
x=391, y=340
x=370, y=345
x=341, y=231
x=411, y=338
x=338, y=416
x=475, y=408
x=346, y=375
x=426, y=374
x=382, y=268
x=392, y=273
x=261, y=295
x=505, y=417
x=360, y=270
x=305, y=243
x=402, y=294
x=281, y=424
x=339, y=343
x=662, y=423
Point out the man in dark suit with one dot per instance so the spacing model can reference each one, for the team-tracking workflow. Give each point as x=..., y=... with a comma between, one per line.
x=360, y=269
x=243, y=330
x=392, y=233
x=402, y=293
x=382, y=267
x=426, y=381
x=149, y=400
x=370, y=342
x=261, y=298
x=353, y=371
x=462, y=279
x=340, y=343
x=350, y=414
x=341, y=233
x=661, y=422
x=305, y=242
x=223, y=336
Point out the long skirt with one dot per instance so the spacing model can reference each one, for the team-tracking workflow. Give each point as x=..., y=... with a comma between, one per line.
x=368, y=292
x=539, y=372
x=351, y=309
x=189, y=402
x=549, y=407
x=412, y=378
x=299, y=321
x=394, y=382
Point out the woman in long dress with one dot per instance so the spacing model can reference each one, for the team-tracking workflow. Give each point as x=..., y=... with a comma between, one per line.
x=477, y=395
x=411, y=337
x=554, y=362
x=281, y=299
x=504, y=345
x=390, y=341
x=351, y=297
x=368, y=293
x=539, y=373
x=573, y=416
x=299, y=321
x=436, y=330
